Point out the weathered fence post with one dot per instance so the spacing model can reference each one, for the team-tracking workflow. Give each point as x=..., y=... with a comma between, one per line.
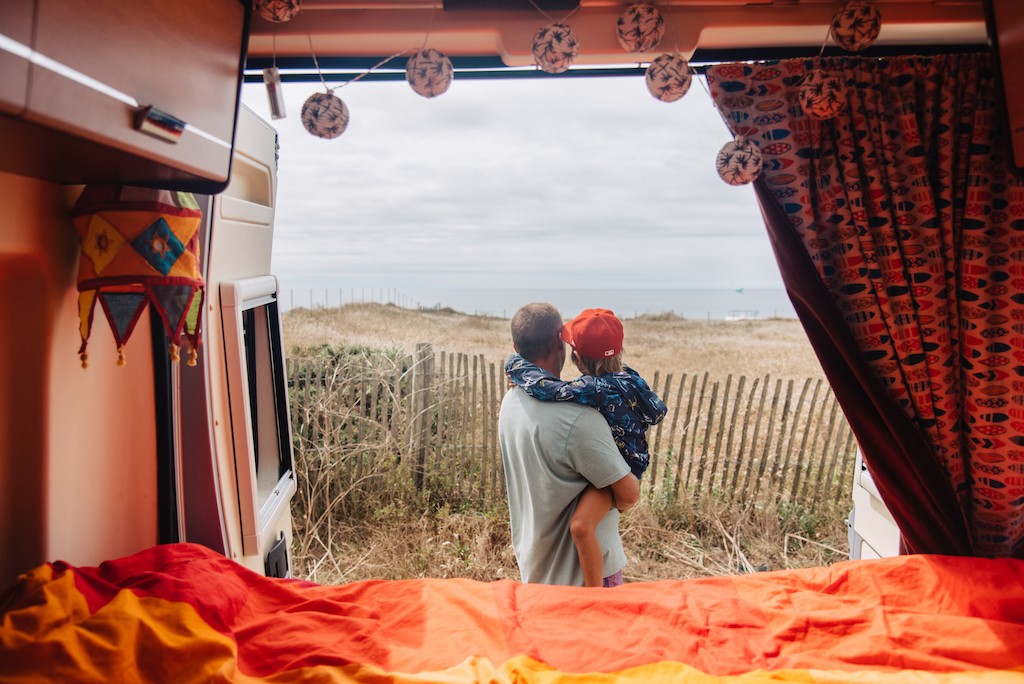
x=729, y=452
x=654, y=446
x=422, y=378
x=696, y=419
x=682, y=440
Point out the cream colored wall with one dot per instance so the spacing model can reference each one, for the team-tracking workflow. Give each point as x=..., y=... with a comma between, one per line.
x=77, y=446
x=240, y=248
x=101, y=494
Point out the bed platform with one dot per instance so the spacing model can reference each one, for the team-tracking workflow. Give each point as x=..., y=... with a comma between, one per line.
x=181, y=612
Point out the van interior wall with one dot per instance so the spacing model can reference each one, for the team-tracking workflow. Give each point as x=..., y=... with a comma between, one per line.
x=77, y=446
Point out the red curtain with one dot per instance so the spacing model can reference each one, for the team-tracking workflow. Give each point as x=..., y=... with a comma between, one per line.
x=898, y=226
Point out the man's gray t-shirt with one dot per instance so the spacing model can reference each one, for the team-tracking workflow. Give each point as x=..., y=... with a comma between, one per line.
x=551, y=451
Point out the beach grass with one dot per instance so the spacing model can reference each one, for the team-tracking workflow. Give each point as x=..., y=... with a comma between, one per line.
x=399, y=535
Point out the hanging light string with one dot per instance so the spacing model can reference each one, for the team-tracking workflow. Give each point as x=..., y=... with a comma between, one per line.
x=430, y=25
x=563, y=19
x=704, y=84
x=378, y=65
x=828, y=34
x=668, y=26
x=694, y=74
x=366, y=73
x=369, y=71
x=316, y=64
x=821, y=52
x=702, y=78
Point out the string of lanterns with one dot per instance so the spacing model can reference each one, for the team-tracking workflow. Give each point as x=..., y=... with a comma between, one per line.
x=639, y=29
x=854, y=27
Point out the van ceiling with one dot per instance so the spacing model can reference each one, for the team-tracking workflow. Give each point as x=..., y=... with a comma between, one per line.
x=488, y=36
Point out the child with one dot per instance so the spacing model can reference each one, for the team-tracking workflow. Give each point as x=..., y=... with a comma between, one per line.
x=618, y=392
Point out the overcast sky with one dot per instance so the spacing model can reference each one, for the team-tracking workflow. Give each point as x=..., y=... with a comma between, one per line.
x=550, y=183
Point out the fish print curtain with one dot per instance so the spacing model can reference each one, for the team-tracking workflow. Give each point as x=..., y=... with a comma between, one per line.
x=898, y=226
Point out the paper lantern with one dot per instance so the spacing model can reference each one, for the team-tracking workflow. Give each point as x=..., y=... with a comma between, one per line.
x=822, y=94
x=856, y=25
x=739, y=162
x=640, y=28
x=555, y=47
x=325, y=115
x=277, y=11
x=429, y=72
x=668, y=77
x=140, y=246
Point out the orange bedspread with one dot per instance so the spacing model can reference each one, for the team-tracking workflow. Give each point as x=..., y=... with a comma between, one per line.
x=183, y=613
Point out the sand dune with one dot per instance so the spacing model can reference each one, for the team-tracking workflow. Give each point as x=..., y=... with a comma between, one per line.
x=665, y=342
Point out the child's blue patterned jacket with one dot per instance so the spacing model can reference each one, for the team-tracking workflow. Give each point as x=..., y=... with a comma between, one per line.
x=623, y=398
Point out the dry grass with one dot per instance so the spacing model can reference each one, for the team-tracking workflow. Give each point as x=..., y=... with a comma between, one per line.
x=396, y=535
x=396, y=543
x=663, y=342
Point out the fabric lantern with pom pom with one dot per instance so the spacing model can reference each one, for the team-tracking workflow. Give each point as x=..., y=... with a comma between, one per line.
x=429, y=72
x=739, y=162
x=640, y=28
x=325, y=115
x=140, y=246
x=555, y=47
x=277, y=11
x=856, y=25
x=822, y=94
x=668, y=77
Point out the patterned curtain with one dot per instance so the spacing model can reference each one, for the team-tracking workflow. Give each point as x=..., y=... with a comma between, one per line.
x=905, y=214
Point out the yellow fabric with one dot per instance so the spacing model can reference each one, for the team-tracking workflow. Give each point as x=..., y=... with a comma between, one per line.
x=183, y=613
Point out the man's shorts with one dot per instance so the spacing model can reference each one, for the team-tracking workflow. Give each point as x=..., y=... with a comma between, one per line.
x=613, y=580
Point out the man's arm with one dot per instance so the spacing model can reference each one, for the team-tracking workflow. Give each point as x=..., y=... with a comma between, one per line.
x=625, y=492
x=592, y=453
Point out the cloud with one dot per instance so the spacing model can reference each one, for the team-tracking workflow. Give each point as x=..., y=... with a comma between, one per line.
x=519, y=183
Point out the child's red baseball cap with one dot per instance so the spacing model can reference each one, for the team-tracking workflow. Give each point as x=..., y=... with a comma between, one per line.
x=595, y=333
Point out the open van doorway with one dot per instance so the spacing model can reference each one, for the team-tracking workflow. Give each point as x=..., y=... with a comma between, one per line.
x=584, y=192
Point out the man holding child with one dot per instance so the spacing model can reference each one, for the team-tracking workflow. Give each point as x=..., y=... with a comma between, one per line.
x=552, y=451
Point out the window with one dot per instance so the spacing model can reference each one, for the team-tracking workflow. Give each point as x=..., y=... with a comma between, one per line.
x=257, y=394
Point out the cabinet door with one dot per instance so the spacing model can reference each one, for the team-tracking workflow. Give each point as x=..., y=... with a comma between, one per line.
x=104, y=59
x=15, y=38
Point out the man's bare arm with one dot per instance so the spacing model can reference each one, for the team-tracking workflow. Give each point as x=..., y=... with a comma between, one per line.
x=625, y=492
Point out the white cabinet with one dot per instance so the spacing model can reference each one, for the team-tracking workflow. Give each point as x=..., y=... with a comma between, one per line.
x=15, y=31
x=76, y=74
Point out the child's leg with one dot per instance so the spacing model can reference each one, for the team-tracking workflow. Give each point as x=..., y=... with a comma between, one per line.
x=590, y=510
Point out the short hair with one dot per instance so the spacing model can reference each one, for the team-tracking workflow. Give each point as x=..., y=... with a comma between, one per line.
x=595, y=367
x=536, y=329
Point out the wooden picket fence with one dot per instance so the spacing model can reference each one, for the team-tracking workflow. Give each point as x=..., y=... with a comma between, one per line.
x=427, y=423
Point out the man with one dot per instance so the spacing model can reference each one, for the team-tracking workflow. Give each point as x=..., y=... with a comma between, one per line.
x=551, y=452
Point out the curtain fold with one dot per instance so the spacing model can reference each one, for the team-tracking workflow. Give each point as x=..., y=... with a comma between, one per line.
x=899, y=230
x=920, y=499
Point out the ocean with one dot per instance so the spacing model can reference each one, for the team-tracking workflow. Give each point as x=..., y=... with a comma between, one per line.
x=705, y=304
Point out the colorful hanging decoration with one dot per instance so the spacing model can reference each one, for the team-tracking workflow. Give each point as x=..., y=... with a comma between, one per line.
x=555, y=47
x=640, y=28
x=139, y=246
x=325, y=115
x=822, y=94
x=429, y=72
x=277, y=11
x=668, y=77
x=739, y=162
x=856, y=25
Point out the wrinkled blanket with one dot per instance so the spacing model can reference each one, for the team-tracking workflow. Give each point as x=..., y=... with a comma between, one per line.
x=181, y=613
